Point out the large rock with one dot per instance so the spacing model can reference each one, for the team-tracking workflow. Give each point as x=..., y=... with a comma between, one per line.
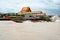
x=26, y=9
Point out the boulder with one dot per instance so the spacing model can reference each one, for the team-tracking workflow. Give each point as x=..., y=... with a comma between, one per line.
x=26, y=9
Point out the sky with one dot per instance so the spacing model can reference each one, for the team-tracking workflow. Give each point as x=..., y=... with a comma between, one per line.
x=46, y=6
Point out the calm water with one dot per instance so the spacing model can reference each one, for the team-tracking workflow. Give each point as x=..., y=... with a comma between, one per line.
x=29, y=31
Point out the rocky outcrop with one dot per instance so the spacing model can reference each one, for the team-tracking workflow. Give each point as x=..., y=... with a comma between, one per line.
x=26, y=9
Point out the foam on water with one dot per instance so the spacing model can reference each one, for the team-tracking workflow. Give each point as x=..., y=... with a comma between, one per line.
x=7, y=22
x=56, y=17
x=28, y=21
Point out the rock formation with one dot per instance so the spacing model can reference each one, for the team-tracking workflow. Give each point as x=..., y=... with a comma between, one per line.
x=27, y=10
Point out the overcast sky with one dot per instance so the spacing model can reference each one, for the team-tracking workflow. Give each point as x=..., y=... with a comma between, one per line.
x=47, y=6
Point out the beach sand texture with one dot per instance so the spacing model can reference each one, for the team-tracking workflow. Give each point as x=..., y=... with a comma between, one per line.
x=29, y=31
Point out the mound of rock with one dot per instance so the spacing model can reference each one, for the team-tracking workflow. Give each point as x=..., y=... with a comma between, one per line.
x=26, y=9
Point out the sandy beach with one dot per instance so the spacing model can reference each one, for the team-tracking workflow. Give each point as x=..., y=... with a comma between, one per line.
x=10, y=30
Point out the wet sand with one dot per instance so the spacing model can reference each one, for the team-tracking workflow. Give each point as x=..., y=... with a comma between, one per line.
x=29, y=31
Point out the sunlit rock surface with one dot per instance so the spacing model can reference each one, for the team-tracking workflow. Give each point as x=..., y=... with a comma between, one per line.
x=27, y=10
x=10, y=30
